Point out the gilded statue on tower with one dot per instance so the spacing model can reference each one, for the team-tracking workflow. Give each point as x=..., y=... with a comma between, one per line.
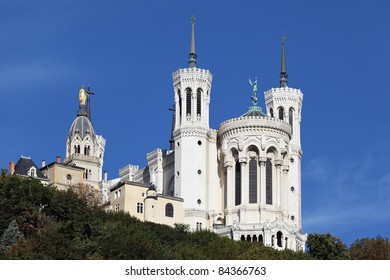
x=82, y=96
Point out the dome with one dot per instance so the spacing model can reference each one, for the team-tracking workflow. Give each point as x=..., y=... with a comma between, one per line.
x=254, y=111
x=83, y=127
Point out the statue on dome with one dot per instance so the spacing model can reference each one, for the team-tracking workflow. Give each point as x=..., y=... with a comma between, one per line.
x=82, y=96
x=254, y=91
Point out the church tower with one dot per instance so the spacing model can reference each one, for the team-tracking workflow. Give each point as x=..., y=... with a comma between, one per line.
x=84, y=148
x=285, y=103
x=193, y=141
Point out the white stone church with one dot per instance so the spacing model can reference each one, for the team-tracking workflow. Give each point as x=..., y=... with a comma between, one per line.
x=242, y=180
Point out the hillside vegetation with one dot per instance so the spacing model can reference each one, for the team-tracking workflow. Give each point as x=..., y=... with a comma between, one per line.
x=38, y=222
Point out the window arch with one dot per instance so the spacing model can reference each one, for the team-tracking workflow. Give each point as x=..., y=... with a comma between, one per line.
x=290, y=118
x=188, y=101
x=261, y=238
x=253, y=180
x=238, y=183
x=268, y=181
x=169, y=210
x=281, y=113
x=279, y=237
x=199, y=102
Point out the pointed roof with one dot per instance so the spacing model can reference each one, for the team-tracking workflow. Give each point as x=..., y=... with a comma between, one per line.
x=24, y=165
x=192, y=56
x=283, y=71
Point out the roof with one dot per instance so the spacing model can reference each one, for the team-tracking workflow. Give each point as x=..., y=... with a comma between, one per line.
x=254, y=111
x=83, y=127
x=24, y=164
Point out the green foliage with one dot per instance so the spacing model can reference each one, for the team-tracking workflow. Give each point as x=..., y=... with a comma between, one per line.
x=370, y=249
x=11, y=235
x=326, y=247
x=61, y=225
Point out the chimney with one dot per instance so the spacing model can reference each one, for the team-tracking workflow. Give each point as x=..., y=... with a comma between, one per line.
x=43, y=163
x=11, y=167
x=58, y=159
x=105, y=176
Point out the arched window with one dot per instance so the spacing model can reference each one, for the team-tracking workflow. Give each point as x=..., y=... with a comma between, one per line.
x=261, y=238
x=253, y=180
x=279, y=237
x=242, y=238
x=238, y=184
x=271, y=111
x=188, y=101
x=254, y=238
x=248, y=238
x=268, y=181
x=69, y=179
x=290, y=118
x=169, y=210
x=180, y=103
x=281, y=113
x=199, y=102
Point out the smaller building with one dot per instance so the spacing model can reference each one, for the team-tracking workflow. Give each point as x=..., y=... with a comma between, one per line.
x=62, y=176
x=144, y=203
x=25, y=167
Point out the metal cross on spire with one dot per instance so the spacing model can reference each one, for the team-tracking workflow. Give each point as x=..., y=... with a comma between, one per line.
x=89, y=92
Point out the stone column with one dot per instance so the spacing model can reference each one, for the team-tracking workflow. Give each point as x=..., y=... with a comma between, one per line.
x=278, y=165
x=262, y=180
x=285, y=191
x=244, y=189
x=229, y=193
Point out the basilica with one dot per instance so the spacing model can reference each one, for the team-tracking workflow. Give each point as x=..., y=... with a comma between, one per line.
x=241, y=180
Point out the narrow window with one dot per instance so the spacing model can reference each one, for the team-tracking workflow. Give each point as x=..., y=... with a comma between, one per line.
x=281, y=113
x=238, y=184
x=271, y=111
x=188, y=103
x=180, y=104
x=290, y=118
x=69, y=179
x=169, y=210
x=199, y=102
x=32, y=172
x=261, y=238
x=279, y=237
x=253, y=181
x=268, y=181
x=140, y=207
x=198, y=226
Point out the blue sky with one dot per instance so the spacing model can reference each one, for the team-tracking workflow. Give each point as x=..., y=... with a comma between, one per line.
x=337, y=53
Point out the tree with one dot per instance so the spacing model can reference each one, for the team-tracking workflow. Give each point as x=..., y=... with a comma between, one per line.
x=370, y=249
x=326, y=247
x=88, y=193
x=11, y=235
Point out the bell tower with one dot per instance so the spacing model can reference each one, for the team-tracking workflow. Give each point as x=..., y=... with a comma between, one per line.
x=84, y=148
x=192, y=137
x=285, y=103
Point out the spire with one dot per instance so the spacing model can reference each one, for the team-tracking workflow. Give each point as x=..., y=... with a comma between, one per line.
x=283, y=72
x=192, y=56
